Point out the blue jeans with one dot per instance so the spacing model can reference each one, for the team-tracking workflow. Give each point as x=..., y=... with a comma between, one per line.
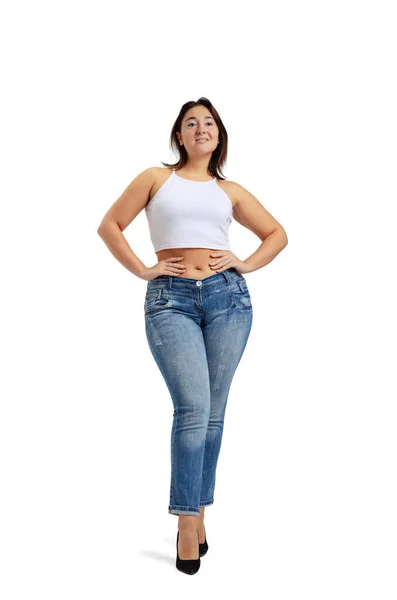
x=197, y=331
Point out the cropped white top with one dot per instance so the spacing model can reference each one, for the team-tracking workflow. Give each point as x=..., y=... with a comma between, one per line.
x=189, y=214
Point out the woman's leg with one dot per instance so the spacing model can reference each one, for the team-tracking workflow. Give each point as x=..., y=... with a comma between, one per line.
x=177, y=345
x=225, y=339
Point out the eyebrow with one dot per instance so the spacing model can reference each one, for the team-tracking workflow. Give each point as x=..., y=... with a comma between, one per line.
x=209, y=117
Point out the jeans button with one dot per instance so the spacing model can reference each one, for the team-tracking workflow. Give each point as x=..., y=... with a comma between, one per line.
x=198, y=283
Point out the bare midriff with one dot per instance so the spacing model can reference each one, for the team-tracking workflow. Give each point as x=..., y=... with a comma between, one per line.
x=196, y=261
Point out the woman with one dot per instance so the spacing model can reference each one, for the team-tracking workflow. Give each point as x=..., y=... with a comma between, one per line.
x=198, y=310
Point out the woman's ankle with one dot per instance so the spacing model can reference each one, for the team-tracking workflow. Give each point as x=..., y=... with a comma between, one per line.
x=188, y=522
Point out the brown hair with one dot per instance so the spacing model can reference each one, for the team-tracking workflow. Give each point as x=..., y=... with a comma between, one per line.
x=219, y=155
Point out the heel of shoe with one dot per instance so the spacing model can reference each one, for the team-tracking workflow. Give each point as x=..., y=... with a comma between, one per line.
x=188, y=566
x=203, y=548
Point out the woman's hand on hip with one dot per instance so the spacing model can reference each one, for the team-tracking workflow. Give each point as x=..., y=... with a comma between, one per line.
x=225, y=259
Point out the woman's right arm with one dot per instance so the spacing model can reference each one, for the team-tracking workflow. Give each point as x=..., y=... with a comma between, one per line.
x=120, y=215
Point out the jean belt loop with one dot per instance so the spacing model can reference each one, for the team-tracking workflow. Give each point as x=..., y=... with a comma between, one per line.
x=227, y=276
x=170, y=281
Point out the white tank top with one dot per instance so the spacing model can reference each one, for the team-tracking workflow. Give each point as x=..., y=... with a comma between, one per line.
x=189, y=214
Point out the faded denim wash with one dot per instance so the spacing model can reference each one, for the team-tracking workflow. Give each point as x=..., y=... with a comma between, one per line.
x=197, y=331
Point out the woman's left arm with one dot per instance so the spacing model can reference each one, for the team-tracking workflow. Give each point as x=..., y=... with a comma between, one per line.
x=250, y=213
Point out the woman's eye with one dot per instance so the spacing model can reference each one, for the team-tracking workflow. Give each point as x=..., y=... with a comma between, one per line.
x=209, y=123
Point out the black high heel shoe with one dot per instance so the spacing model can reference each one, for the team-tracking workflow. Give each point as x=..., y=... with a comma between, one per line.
x=203, y=548
x=189, y=566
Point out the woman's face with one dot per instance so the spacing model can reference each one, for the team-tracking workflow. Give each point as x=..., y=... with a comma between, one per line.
x=199, y=131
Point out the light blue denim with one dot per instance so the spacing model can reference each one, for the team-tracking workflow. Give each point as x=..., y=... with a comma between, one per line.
x=197, y=331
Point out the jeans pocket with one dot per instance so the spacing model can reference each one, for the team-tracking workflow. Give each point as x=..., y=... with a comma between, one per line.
x=156, y=299
x=241, y=295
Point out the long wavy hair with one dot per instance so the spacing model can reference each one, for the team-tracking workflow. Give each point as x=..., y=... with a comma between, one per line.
x=219, y=155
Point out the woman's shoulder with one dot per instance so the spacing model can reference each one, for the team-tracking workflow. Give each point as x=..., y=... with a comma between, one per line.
x=229, y=187
x=158, y=174
x=160, y=170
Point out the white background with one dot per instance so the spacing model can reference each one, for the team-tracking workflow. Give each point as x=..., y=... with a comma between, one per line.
x=305, y=500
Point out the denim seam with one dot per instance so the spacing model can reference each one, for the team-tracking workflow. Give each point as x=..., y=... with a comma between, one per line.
x=156, y=337
x=173, y=455
x=206, y=503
